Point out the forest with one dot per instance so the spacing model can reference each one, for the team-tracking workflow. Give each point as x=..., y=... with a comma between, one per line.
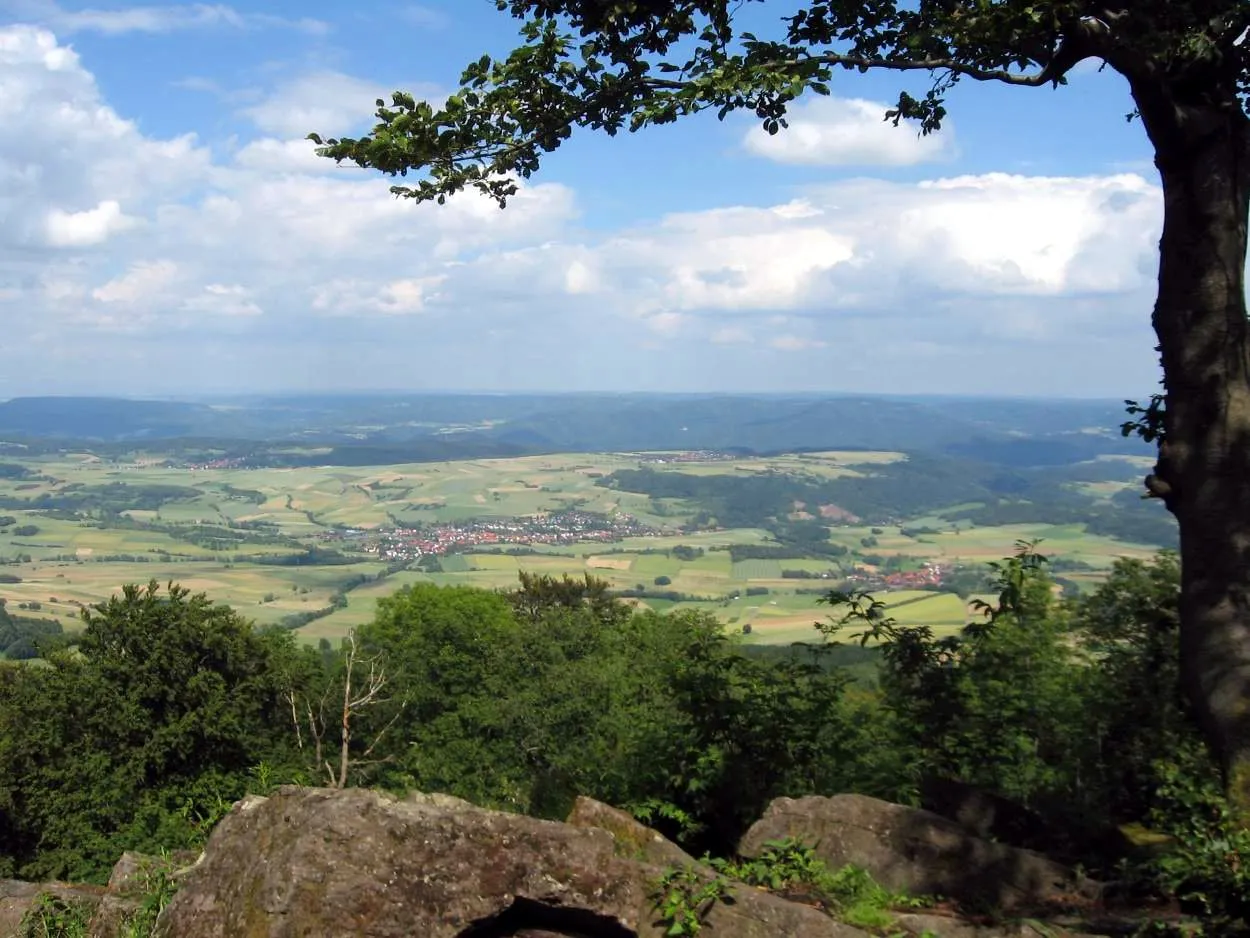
x=171, y=707
x=982, y=493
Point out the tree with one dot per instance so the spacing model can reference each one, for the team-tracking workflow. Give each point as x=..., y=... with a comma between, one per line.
x=359, y=685
x=130, y=742
x=614, y=64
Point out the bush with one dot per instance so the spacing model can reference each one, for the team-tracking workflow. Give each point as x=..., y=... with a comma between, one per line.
x=21, y=650
x=663, y=581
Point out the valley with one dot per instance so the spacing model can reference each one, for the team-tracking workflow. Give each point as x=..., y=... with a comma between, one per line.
x=755, y=539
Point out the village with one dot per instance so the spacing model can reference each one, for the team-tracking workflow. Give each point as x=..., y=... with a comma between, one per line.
x=557, y=528
x=929, y=576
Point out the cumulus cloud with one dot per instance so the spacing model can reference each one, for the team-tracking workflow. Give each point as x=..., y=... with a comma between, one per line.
x=863, y=243
x=73, y=171
x=327, y=102
x=884, y=272
x=118, y=246
x=829, y=131
x=92, y=226
x=348, y=297
x=142, y=283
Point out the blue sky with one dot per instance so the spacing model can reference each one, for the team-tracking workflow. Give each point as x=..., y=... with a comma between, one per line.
x=167, y=231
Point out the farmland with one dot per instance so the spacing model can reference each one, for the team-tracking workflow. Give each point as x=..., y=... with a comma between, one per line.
x=315, y=547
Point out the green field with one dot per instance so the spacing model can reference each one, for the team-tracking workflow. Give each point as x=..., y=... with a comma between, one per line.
x=73, y=560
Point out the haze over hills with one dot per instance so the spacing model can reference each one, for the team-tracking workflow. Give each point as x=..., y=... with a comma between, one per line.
x=421, y=426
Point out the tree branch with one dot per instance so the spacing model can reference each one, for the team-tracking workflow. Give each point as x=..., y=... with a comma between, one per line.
x=927, y=65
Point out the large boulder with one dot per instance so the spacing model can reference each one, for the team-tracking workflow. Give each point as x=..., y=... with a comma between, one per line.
x=939, y=926
x=104, y=911
x=359, y=863
x=19, y=899
x=633, y=838
x=133, y=879
x=916, y=852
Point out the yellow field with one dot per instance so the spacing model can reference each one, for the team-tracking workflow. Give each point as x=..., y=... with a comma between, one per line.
x=66, y=564
x=609, y=563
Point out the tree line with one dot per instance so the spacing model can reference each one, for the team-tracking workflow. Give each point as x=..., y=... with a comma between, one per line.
x=171, y=706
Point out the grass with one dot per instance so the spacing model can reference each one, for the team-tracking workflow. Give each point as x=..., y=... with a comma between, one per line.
x=756, y=570
x=67, y=569
x=455, y=563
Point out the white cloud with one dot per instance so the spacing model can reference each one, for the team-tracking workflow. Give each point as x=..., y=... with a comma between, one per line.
x=833, y=131
x=326, y=102
x=268, y=155
x=949, y=263
x=348, y=297
x=92, y=226
x=119, y=246
x=151, y=19
x=72, y=171
x=145, y=281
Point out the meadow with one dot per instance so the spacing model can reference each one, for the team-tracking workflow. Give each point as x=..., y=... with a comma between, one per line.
x=80, y=526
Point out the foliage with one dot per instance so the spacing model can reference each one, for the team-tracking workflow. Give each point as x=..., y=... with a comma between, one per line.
x=21, y=637
x=915, y=486
x=1136, y=717
x=993, y=706
x=53, y=917
x=172, y=707
x=158, y=888
x=626, y=65
x=623, y=64
x=134, y=739
x=790, y=867
x=683, y=897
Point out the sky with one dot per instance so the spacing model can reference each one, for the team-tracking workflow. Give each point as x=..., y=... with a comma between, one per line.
x=166, y=229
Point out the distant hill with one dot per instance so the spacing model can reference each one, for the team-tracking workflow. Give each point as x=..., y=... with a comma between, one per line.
x=412, y=426
x=99, y=418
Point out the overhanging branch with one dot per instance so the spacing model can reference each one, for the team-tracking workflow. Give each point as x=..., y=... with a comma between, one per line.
x=931, y=65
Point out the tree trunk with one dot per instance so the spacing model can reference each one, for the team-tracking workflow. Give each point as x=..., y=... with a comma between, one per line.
x=1203, y=471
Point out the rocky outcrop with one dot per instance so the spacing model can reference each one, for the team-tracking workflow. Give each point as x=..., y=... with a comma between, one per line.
x=104, y=911
x=945, y=927
x=18, y=899
x=916, y=852
x=633, y=839
x=129, y=885
x=360, y=863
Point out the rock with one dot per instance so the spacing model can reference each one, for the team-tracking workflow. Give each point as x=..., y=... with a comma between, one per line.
x=993, y=817
x=916, y=852
x=941, y=926
x=18, y=898
x=128, y=886
x=359, y=863
x=989, y=816
x=634, y=840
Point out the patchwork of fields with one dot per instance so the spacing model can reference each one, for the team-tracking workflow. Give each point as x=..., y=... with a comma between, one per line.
x=78, y=527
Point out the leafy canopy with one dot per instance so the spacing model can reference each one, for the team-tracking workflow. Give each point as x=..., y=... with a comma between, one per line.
x=613, y=64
